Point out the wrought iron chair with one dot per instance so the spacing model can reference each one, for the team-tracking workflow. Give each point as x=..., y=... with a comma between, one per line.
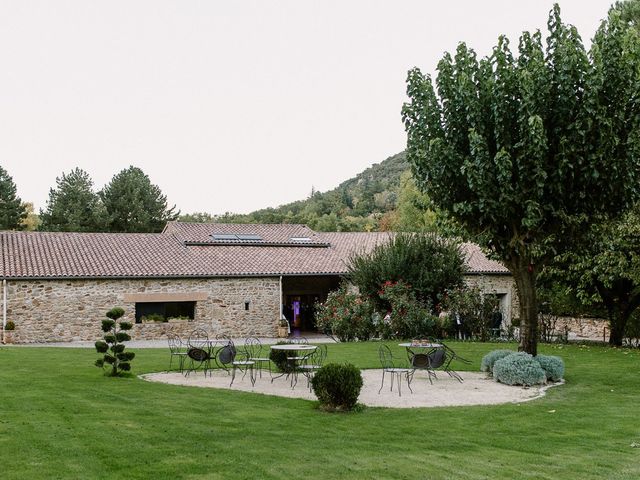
x=388, y=366
x=176, y=348
x=442, y=357
x=229, y=357
x=198, y=351
x=313, y=362
x=253, y=346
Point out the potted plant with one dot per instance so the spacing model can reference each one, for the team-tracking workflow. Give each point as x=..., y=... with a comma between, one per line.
x=7, y=335
x=283, y=328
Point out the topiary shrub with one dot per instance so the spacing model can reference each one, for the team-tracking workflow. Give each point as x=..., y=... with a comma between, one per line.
x=10, y=326
x=519, y=369
x=553, y=366
x=337, y=386
x=487, y=362
x=112, y=346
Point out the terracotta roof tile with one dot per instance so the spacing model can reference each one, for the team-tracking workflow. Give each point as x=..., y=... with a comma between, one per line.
x=86, y=255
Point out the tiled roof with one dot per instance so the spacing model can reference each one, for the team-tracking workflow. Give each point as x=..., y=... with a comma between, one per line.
x=169, y=254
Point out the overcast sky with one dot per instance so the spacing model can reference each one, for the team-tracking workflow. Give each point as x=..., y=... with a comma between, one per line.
x=228, y=105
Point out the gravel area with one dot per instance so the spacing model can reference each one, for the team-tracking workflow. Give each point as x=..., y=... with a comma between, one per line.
x=476, y=389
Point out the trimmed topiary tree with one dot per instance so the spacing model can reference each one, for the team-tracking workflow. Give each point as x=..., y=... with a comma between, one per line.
x=553, y=366
x=487, y=362
x=519, y=369
x=337, y=386
x=112, y=346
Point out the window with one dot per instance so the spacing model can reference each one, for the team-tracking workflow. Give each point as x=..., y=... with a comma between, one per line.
x=165, y=310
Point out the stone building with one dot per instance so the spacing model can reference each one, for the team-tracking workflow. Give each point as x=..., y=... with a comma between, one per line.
x=233, y=279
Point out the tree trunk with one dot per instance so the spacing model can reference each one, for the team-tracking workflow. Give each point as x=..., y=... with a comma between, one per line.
x=617, y=323
x=525, y=278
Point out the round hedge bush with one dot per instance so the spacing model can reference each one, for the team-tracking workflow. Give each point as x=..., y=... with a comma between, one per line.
x=486, y=365
x=553, y=366
x=519, y=369
x=337, y=386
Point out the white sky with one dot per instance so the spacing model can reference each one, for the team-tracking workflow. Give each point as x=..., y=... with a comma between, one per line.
x=228, y=105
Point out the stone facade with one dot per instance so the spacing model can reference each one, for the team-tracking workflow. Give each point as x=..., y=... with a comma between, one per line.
x=584, y=328
x=72, y=310
x=502, y=285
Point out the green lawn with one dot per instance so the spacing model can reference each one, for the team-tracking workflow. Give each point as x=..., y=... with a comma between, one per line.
x=60, y=418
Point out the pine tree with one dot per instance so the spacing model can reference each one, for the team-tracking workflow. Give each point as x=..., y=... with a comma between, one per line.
x=12, y=210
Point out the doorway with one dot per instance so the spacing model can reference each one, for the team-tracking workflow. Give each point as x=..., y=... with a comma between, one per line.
x=299, y=296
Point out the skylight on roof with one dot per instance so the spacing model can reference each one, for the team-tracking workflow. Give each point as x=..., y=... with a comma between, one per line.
x=255, y=238
x=224, y=236
x=299, y=239
x=232, y=237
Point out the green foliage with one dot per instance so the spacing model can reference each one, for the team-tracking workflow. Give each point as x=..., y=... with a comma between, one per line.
x=604, y=270
x=280, y=358
x=154, y=317
x=519, y=369
x=409, y=316
x=134, y=204
x=358, y=204
x=107, y=325
x=487, y=362
x=112, y=347
x=73, y=206
x=115, y=313
x=552, y=365
x=429, y=264
x=476, y=311
x=12, y=210
x=345, y=315
x=522, y=151
x=9, y=326
x=337, y=386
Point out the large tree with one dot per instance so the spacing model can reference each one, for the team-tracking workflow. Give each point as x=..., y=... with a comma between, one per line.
x=73, y=206
x=12, y=210
x=605, y=270
x=524, y=151
x=134, y=204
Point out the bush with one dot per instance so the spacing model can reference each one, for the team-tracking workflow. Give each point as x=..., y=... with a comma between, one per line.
x=487, y=362
x=337, y=386
x=429, y=263
x=409, y=317
x=9, y=326
x=345, y=315
x=279, y=359
x=519, y=369
x=553, y=366
x=154, y=317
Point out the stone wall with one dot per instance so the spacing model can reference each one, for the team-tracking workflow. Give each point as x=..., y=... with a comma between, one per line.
x=584, y=328
x=502, y=285
x=72, y=310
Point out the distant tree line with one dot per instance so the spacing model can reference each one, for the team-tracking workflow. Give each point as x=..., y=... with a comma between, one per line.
x=128, y=203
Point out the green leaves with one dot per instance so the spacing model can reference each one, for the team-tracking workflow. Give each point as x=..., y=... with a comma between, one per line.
x=12, y=210
x=134, y=204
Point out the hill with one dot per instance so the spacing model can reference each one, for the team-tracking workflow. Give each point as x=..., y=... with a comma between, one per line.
x=365, y=202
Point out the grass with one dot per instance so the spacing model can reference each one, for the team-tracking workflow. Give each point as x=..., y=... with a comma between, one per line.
x=60, y=418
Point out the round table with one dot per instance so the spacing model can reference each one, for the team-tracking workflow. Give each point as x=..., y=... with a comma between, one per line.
x=293, y=359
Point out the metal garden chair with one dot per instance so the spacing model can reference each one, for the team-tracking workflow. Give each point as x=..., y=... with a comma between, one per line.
x=253, y=347
x=388, y=366
x=176, y=348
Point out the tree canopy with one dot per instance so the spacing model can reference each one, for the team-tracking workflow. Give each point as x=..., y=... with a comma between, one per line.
x=73, y=206
x=429, y=264
x=525, y=151
x=12, y=210
x=133, y=204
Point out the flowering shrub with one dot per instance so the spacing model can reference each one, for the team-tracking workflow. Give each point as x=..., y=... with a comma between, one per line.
x=345, y=315
x=409, y=318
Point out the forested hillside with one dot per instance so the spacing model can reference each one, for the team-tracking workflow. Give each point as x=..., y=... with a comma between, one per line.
x=369, y=201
